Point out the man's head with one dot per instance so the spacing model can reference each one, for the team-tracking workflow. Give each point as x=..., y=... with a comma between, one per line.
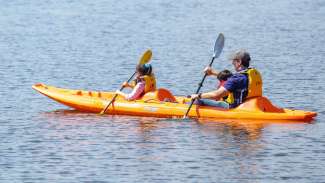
x=240, y=59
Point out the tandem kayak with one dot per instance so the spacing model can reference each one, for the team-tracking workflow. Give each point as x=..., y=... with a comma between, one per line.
x=162, y=103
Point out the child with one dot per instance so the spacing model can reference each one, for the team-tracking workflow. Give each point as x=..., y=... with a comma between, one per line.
x=223, y=76
x=145, y=82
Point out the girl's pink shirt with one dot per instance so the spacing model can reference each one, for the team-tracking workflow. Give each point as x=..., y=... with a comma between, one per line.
x=137, y=91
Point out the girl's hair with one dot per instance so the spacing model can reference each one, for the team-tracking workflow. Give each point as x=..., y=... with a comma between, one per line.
x=145, y=69
x=224, y=75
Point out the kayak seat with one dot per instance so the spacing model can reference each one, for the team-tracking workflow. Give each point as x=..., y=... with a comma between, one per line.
x=261, y=104
x=161, y=95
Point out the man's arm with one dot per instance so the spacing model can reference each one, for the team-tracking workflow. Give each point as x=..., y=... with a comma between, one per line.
x=216, y=94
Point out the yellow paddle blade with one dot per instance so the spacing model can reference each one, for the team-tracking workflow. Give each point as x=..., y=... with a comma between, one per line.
x=146, y=57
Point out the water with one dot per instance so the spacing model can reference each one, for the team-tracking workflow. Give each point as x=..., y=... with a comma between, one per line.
x=95, y=45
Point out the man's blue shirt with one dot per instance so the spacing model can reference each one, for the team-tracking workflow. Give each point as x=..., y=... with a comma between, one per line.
x=237, y=84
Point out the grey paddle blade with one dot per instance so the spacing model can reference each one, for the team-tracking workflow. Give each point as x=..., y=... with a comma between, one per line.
x=219, y=45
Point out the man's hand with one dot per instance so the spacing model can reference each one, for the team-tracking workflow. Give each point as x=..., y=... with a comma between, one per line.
x=196, y=96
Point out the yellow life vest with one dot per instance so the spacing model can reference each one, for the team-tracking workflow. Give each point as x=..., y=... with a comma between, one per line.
x=255, y=85
x=230, y=98
x=150, y=81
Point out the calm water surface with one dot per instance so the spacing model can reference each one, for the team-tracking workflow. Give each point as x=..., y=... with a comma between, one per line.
x=95, y=45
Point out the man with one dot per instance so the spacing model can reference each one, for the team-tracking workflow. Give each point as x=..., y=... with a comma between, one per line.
x=245, y=83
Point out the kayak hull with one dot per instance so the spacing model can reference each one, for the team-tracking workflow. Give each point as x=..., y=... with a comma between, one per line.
x=163, y=104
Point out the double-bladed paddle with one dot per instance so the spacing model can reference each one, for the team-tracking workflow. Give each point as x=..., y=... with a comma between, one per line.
x=144, y=59
x=218, y=46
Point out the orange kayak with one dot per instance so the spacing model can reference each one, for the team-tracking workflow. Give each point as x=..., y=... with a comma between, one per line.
x=162, y=103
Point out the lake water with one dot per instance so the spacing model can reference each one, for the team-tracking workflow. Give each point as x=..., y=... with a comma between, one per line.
x=94, y=45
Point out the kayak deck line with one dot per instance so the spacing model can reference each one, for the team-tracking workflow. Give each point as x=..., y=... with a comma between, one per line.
x=162, y=103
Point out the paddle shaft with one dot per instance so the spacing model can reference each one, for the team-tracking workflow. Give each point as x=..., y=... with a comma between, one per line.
x=199, y=88
x=117, y=94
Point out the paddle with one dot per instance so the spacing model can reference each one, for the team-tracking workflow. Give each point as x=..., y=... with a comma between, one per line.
x=218, y=46
x=144, y=59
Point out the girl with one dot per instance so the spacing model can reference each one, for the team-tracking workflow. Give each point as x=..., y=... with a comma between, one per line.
x=145, y=82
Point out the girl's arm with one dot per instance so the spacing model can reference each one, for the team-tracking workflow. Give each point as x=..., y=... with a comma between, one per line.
x=126, y=84
x=121, y=93
x=136, y=92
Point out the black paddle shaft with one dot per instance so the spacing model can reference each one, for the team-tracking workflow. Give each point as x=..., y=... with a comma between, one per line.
x=199, y=88
x=117, y=94
x=218, y=46
x=205, y=75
